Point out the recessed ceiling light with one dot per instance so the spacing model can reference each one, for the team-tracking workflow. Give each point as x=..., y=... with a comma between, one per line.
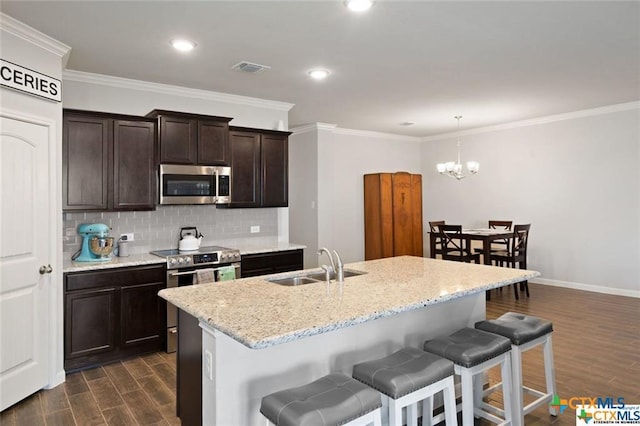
x=319, y=74
x=182, y=44
x=359, y=5
x=407, y=123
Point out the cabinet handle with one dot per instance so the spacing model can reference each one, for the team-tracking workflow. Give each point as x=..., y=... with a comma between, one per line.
x=45, y=269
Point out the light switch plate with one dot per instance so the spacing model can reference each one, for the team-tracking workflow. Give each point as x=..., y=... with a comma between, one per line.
x=255, y=229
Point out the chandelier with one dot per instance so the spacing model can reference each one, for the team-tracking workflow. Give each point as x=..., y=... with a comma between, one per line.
x=454, y=170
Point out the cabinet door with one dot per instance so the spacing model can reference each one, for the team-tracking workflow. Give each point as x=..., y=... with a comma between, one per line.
x=407, y=214
x=90, y=319
x=178, y=140
x=85, y=163
x=142, y=315
x=134, y=165
x=213, y=143
x=245, y=169
x=275, y=170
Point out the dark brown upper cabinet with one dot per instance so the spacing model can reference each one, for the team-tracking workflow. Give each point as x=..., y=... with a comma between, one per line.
x=192, y=138
x=109, y=162
x=259, y=167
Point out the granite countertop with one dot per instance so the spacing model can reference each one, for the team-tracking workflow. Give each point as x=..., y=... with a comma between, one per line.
x=258, y=313
x=245, y=247
x=116, y=262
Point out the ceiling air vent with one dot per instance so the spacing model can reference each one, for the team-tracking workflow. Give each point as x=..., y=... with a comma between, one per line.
x=249, y=67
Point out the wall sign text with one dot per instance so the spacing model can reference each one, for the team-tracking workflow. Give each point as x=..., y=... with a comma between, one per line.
x=29, y=81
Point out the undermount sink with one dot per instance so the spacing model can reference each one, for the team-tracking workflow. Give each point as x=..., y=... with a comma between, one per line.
x=314, y=277
x=291, y=281
x=321, y=276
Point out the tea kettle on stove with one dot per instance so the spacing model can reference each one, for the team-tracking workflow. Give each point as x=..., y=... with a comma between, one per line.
x=190, y=239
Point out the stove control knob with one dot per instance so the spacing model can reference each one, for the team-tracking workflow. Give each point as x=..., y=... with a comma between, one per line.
x=180, y=260
x=223, y=256
x=172, y=262
x=187, y=260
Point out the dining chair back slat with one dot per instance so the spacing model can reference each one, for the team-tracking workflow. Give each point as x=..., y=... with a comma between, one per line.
x=453, y=246
x=434, y=228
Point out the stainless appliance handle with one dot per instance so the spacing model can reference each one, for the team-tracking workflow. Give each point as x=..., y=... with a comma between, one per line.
x=177, y=274
x=215, y=176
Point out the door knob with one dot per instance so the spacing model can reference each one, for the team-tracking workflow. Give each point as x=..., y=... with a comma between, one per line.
x=45, y=269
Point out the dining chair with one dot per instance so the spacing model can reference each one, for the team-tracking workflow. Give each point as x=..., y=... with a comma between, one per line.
x=500, y=224
x=433, y=227
x=454, y=247
x=515, y=254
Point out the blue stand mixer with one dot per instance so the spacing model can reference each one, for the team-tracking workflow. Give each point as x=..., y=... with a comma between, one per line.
x=96, y=245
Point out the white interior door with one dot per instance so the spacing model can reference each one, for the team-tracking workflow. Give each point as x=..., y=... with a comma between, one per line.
x=24, y=249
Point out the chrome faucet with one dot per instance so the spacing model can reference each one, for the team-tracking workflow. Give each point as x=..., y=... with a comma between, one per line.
x=338, y=270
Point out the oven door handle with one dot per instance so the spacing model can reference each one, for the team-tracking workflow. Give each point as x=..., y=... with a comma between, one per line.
x=177, y=274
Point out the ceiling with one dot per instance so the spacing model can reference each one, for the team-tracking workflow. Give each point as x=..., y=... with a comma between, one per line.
x=422, y=61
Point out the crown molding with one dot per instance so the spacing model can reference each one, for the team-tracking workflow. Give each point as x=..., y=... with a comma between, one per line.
x=306, y=128
x=351, y=132
x=30, y=34
x=537, y=121
x=377, y=135
x=126, y=83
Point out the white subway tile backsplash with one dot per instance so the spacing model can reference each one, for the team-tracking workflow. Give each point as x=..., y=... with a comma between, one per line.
x=160, y=229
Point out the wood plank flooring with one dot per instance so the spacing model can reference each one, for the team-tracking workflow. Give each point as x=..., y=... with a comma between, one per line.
x=596, y=345
x=138, y=391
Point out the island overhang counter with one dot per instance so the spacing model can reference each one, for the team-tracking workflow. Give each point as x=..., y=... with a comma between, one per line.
x=258, y=337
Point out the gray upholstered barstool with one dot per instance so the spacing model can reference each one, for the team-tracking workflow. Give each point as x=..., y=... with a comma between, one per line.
x=474, y=352
x=407, y=377
x=335, y=399
x=525, y=332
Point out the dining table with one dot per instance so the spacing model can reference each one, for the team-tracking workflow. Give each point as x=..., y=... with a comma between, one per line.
x=485, y=235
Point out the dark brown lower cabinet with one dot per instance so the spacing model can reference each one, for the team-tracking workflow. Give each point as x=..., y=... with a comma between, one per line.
x=271, y=263
x=112, y=314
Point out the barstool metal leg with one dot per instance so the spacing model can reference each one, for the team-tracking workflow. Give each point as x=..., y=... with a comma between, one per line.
x=395, y=413
x=427, y=411
x=412, y=414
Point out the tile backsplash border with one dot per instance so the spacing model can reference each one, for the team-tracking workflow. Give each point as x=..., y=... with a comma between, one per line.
x=160, y=229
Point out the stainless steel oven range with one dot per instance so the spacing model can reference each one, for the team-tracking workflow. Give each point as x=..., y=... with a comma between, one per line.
x=182, y=268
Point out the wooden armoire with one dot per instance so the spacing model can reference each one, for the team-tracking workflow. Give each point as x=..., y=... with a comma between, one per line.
x=392, y=215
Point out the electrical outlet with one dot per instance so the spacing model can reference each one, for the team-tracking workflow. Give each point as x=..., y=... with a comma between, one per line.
x=208, y=364
x=255, y=229
x=127, y=237
x=70, y=232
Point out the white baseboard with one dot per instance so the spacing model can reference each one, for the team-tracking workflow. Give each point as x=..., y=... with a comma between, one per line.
x=588, y=287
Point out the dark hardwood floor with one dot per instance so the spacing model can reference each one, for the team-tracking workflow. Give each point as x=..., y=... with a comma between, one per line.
x=596, y=345
x=138, y=391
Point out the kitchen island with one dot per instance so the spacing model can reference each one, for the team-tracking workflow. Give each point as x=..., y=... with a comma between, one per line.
x=259, y=337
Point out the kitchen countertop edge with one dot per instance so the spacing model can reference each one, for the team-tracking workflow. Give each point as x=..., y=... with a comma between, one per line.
x=344, y=322
x=150, y=259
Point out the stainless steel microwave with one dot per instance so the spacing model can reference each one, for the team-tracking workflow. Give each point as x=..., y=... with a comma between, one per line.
x=195, y=184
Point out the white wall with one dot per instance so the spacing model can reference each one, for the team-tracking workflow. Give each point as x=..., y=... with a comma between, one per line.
x=576, y=180
x=303, y=193
x=343, y=157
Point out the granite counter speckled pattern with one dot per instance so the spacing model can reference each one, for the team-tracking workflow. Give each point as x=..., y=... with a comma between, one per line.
x=258, y=313
x=245, y=247
x=116, y=262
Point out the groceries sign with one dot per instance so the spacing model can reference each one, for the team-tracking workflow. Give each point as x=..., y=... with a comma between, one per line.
x=29, y=81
